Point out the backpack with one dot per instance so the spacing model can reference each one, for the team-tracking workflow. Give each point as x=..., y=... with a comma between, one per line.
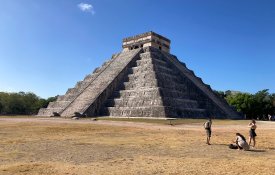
x=232, y=146
x=207, y=125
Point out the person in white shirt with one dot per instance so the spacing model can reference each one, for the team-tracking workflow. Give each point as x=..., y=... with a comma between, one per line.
x=241, y=142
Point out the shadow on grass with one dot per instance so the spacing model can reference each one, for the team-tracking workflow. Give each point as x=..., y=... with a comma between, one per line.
x=223, y=144
x=257, y=150
x=251, y=150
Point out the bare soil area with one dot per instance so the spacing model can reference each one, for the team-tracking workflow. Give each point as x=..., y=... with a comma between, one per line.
x=40, y=146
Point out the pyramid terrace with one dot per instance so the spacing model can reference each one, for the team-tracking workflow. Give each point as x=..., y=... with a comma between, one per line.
x=144, y=80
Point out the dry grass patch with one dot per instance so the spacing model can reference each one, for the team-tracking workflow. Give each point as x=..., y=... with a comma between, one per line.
x=32, y=148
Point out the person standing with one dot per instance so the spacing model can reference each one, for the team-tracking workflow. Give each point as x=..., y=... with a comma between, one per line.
x=252, y=133
x=207, y=126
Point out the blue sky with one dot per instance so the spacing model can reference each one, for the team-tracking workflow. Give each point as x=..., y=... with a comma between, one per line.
x=47, y=46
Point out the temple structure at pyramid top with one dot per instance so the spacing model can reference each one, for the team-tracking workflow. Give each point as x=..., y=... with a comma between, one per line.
x=144, y=80
x=147, y=39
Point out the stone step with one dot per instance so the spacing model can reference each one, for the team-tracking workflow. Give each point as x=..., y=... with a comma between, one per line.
x=81, y=103
x=151, y=76
x=172, y=85
x=146, y=76
x=60, y=98
x=143, y=101
x=66, y=97
x=154, y=74
x=150, y=55
x=136, y=79
x=58, y=104
x=174, y=93
x=79, y=87
x=151, y=61
x=82, y=85
x=155, y=111
x=137, y=85
x=72, y=92
x=134, y=102
x=90, y=77
x=102, y=68
x=151, y=67
x=164, y=69
x=48, y=111
x=158, y=59
x=161, y=76
x=140, y=69
x=180, y=103
x=154, y=92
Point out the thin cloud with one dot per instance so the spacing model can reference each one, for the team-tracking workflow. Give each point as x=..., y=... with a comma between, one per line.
x=86, y=7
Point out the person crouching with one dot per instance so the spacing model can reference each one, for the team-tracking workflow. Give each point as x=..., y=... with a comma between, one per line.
x=241, y=142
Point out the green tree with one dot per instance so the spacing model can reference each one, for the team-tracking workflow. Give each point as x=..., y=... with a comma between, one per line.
x=16, y=104
x=220, y=93
x=1, y=107
x=22, y=103
x=273, y=103
x=262, y=104
x=242, y=102
x=3, y=101
x=258, y=105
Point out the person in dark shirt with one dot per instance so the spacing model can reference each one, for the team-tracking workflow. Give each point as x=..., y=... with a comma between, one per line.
x=252, y=133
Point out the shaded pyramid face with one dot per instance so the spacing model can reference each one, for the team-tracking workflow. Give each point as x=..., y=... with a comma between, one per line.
x=156, y=87
x=142, y=82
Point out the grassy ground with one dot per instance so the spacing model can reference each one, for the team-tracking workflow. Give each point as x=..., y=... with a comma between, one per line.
x=174, y=121
x=38, y=148
x=16, y=116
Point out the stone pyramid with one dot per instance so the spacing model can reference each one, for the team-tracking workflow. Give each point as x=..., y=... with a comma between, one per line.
x=144, y=80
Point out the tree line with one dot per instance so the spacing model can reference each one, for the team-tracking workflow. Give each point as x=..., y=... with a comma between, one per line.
x=256, y=106
x=252, y=106
x=22, y=103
